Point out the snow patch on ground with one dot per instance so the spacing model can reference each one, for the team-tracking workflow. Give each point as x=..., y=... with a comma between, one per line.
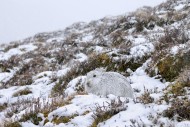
x=142, y=50
x=179, y=7
x=17, y=51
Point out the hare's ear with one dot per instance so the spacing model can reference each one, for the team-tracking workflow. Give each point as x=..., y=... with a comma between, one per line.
x=100, y=69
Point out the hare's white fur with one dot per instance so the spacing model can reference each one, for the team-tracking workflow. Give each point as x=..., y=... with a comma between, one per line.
x=104, y=83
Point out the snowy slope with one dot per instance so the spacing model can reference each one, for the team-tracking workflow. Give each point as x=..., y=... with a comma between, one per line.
x=42, y=77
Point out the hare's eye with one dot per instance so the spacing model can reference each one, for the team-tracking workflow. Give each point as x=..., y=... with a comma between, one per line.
x=94, y=75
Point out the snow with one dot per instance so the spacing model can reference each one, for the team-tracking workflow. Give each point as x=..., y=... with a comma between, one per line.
x=141, y=81
x=135, y=111
x=57, y=39
x=139, y=40
x=27, y=47
x=65, y=111
x=28, y=124
x=141, y=50
x=175, y=49
x=6, y=94
x=62, y=71
x=17, y=51
x=87, y=38
x=11, y=52
x=83, y=121
x=98, y=49
x=43, y=74
x=81, y=57
x=81, y=106
x=71, y=87
x=179, y=7
x=5, y=76
x=183, y=124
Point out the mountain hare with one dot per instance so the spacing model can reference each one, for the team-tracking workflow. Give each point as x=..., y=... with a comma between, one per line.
x=104, y=83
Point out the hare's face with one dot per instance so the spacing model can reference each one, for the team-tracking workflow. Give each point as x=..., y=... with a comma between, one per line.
x=93, y=75
x=92, y=80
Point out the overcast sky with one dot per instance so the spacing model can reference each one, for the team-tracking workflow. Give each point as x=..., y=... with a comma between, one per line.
x=22, y=18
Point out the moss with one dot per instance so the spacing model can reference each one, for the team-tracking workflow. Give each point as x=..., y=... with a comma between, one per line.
x=25, y=91
x=86, y=112
x=33, y=116
x=3, y=106
x=46, y=121
x=46, y=113
x=171, y=66
x=3, y=68
x=177, y=89
x=63, y=119
x=166, y=68
x=12, y=124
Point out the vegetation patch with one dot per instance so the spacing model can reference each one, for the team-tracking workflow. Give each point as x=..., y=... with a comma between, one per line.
x=171, y=66
x=3, y=106
x=176, y=96
x=11, y=46
x=25, y=91
x=140, y=26
x=180, y=110
x=6, y=65
x=63, y=119
x=46, y=121
x=178, y=88
x=24, y=75
x=44, y=107
x=96, y=61
x=32, y=116
x=145, y=98
x=181, y=85
x=105, y=116
x=104, y=113
x=12, y=124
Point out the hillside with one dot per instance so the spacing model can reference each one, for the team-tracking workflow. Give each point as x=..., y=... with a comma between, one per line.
x=42, y=77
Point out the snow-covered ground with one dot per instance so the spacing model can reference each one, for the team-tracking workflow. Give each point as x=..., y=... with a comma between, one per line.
x=33, y=73
x=83, y=103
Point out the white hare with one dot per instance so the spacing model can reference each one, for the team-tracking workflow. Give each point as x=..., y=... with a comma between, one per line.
x=104, y=83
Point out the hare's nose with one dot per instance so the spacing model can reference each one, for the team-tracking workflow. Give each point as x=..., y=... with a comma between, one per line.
x=88, y=84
